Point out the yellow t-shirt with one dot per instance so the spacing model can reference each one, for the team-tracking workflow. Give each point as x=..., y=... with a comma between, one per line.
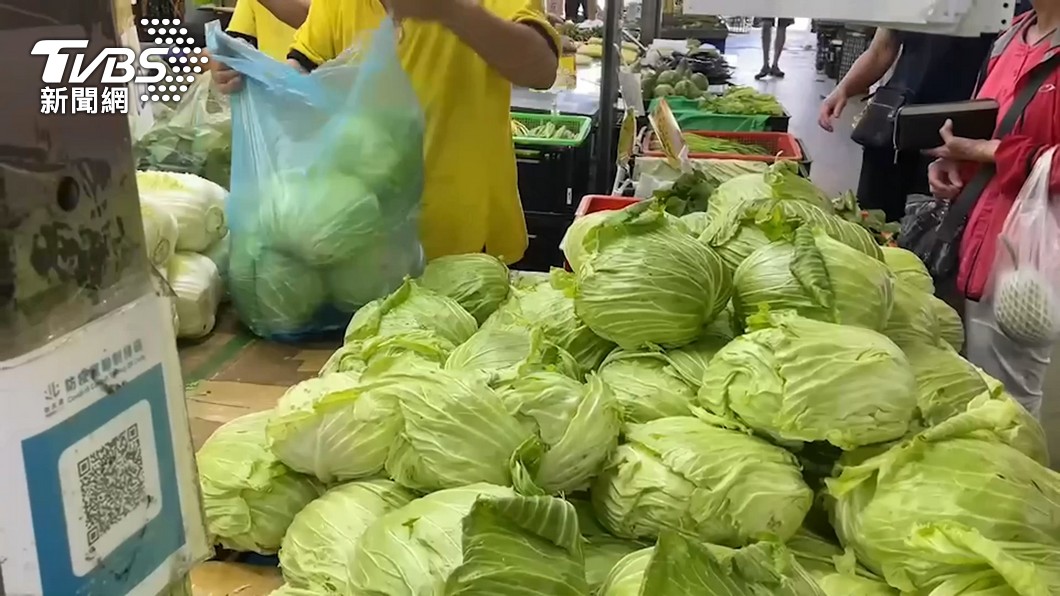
x=253, y=20
x=471, y=196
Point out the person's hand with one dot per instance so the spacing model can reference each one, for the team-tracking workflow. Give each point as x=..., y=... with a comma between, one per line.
x=961, y=149
x=227, y=80
x=832, y=109
x=944, y=177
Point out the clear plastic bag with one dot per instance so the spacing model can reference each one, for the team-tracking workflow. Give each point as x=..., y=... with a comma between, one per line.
x=194, y=136
x=1024, y=285
x=327, y=178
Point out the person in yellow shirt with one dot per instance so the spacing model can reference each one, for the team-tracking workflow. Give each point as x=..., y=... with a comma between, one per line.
x=462, y=56
x=266, y=24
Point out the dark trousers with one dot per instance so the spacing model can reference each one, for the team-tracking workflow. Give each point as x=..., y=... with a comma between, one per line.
x=572, y=7
x=885, y=182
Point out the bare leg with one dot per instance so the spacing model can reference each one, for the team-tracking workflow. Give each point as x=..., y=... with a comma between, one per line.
x=778, y=49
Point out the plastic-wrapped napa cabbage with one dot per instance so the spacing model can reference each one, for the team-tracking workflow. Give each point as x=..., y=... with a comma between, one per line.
x=578, y=426
x=503, y=354
x=454, y=430
x=802, y=380
x=334, y=427
x=544, y=305
x=197, y=291
x=740, y=232
x=478, y=282
x=410, y=308
x=647, y=385
x=817, y=276
x=160, y=234
x=954, y=505
x=249, y=498
x=679, y=565
x=196, y=205
x=697, y=476
x=646, y=280
x=476, y=539
x=320, y=542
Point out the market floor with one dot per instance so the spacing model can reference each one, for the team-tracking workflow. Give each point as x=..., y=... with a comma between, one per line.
x=837, y=159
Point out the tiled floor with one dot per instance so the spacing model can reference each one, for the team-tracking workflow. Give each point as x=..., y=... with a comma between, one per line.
x=836, y=159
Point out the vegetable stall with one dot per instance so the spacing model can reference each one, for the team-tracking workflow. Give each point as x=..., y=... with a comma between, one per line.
x=724, y=381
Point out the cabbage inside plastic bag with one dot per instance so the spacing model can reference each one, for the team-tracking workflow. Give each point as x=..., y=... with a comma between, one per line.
x=327, y=177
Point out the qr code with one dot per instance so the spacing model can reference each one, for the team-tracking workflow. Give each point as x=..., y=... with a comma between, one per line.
x=112, y=482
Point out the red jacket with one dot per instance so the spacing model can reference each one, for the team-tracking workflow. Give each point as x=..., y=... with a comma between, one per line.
x=1036, y=131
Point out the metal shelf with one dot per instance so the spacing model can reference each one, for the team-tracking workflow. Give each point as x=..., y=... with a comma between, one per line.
x=951, y=17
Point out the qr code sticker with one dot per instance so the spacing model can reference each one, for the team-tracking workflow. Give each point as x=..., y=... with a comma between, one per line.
x=112, y=482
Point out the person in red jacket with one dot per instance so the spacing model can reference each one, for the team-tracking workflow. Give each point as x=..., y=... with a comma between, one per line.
x=1033, y=38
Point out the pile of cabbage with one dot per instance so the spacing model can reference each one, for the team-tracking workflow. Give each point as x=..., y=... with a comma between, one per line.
x=186, y=238
x=777, y=409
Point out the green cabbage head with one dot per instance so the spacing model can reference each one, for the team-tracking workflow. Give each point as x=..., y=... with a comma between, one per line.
x=602, y=550
x=455, y=431
x=695, y=475
x=320, y=542
x=647, y=281
x=914, y=316
x=946, y=383
x=908, y=267
x=779, y=181
x=542, y=304
x=578, y=426
x=836, y=571
x=275, y=294
x=801, y=380
x=476, y=539
x=573, y=245
x=320, y=218
x=647, y=385
x=951, y=329
x=390, y=352
x=249, y=498
x=503, y=354
x=478, y=282
x=412, y=308
x=743, y=231
x=817, y=276
x=334, y=427
x=954, y=501
x=679, y=565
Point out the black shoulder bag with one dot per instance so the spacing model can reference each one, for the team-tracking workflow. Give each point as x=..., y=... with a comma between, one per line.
x=934, y=232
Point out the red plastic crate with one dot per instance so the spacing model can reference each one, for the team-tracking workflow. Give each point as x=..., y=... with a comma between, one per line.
x=780, y=145
x=593, y=203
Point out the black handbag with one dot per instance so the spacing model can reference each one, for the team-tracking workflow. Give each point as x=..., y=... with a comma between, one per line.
x=877, y=123
x=933, y=232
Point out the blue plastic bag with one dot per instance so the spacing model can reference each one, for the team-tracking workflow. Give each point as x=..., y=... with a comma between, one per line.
x=327, y=177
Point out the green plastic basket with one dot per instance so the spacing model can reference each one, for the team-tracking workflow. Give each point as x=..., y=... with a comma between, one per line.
x=579, y=124
x=690, y=117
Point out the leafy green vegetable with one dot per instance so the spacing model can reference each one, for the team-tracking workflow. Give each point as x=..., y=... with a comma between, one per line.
x=544, y=305
x=908, y=267
x=464, y=541
x=817, y=276
x=696, y=476
x=646, y=385
x=742, y=101
x=647, y=281
x=334, y=427
x=946, y=383
x=802, y=380
x=958, y=481
x=503, y=354
x=578, y=426
x=320, y=541
x=412, y=307
x=249, y=498
x=835, y=571
x=779, y=181
x=478, y=282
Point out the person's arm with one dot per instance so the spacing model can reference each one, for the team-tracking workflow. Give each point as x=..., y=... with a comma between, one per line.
x=524, y=51
x=291, y=12
x=314, y=41
x=1015, y=157
x=870, y=67
x=243, y=25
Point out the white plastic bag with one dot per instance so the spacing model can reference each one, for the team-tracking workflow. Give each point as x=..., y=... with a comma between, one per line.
x=1024, y=289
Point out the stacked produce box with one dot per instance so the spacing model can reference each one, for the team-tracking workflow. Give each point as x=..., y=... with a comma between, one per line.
x=755, y=397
